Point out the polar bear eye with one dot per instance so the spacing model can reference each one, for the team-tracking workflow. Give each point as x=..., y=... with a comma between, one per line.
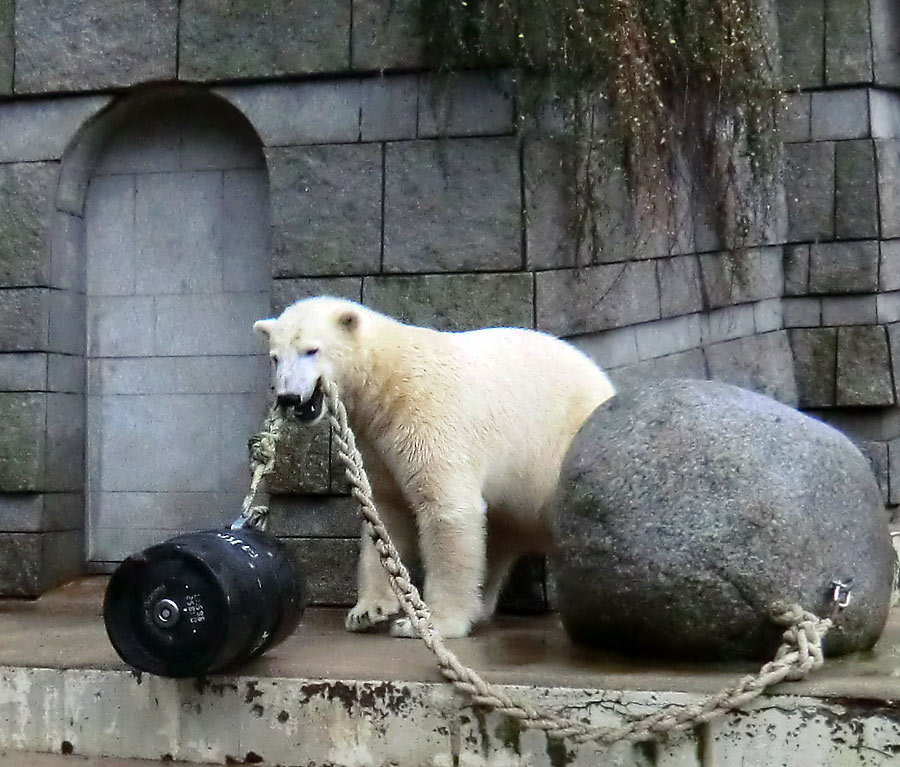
x=310, y=352
x=274, y=358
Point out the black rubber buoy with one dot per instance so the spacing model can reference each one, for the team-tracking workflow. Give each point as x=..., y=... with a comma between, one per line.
x=200, y=602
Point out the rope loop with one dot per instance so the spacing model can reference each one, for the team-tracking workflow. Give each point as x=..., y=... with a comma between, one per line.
x=799, y=654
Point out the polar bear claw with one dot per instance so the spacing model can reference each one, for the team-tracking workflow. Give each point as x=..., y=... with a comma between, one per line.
x=367, y=615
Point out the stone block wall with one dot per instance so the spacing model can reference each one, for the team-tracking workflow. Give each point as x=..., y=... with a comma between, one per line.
x=437, y=208
x=842, y=183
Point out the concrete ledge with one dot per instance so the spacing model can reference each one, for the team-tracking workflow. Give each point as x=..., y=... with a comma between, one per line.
x=328, y=697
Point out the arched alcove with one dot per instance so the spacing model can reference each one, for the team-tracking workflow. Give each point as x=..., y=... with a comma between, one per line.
x=175, y=248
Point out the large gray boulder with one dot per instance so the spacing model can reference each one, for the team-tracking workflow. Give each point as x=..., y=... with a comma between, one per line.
x=686, y=508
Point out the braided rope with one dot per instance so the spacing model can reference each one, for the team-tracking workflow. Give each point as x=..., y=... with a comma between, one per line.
x=262, y=462
x=799, y=654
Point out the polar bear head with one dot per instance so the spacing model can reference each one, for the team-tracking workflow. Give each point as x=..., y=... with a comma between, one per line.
x=312, y=340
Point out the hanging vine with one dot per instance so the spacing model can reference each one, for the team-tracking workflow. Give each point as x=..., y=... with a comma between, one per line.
x=648, y=91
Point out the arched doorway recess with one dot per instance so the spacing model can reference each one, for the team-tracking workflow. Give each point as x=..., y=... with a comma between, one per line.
x=176, y=251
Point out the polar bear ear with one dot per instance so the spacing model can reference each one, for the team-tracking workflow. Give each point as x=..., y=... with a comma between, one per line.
x=348, y=320
x=264, y=327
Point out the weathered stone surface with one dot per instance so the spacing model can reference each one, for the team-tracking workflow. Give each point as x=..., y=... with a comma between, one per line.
x=66, y=373
x=885, y=15
x=67, y=266
x=796, y=270
x=329, y=567
x=800, y=737
x=887, y=158
x=894, y=472
x=887, y=307
x=619, y=230
x=750, y=275
x=877, y=455
x=302, y=459
x=23, y=440
x=727, y=323
x=63, y=469
x=23, y=371
x=31, y=563
x=285, y=292
x=387, y=34
x=794, y=120
x=609, y=348
x=745, y=502
x=313, y=517
x=177, y=453
x=840, y=115
x=848, y=44
x=893, y=331
x=849, y=310
x=760, y=363
x=219, y=324
x=7, y=45
x=41, y=512
x=802, y=312
x=123, y=326
x=41, y=129
x=176, y=129
x=809, y=189
x=574, y=301
x=884, y=113
x=668, y=336
x=679, y=285
x=262, y=38
x=26, y=194
x=801, y=29
x=454, y=301
x=873, y=424
x=844, y=267
x=93, y=44
x=388, y=107
x=863, y=366
x=856, y=193
x=688, y=364
x=768, y=315
x=707, y=222
x=67, y=322
x=549, y=243
x=326, y=209
x=206, y=374
x=292, y=114
x=452, y=206
x=24, y=319
x=466, y=104
x=661, y=222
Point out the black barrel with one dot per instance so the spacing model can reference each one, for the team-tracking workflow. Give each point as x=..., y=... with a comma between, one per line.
x=203, y=601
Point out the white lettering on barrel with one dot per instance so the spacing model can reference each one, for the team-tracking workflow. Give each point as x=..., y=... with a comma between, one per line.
x=245, y=547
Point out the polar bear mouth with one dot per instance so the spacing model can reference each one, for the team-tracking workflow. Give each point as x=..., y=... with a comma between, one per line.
x=304, y=410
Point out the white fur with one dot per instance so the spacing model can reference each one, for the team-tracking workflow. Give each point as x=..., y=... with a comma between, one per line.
x=462, y=435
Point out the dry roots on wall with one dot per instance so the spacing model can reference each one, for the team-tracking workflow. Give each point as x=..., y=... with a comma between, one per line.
x=648, y=90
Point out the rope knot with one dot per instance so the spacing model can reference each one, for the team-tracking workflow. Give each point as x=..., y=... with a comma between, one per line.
x=801, y=642
x=262, y=450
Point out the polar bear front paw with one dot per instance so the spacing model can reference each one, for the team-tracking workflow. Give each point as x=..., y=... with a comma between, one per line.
x=448, y=629
x=369, y=613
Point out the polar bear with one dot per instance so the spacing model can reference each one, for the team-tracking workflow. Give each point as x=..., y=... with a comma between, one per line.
x=462, y=435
